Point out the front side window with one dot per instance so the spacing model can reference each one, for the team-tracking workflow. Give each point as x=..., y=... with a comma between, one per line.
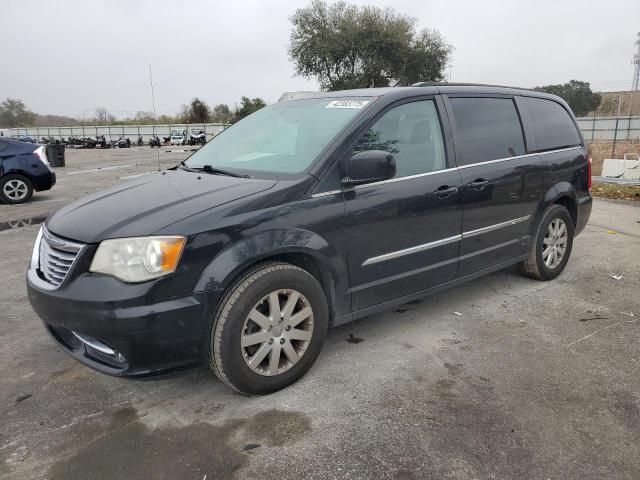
x=283, y=138
x=550, y=123
x=486, y=129
x=412, y=133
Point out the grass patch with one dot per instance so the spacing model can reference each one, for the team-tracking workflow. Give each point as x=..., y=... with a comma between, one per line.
x=620, y=192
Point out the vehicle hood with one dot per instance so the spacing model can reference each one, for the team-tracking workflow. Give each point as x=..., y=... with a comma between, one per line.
x=148, y=203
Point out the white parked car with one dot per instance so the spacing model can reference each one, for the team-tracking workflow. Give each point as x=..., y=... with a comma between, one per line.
x=179, y=137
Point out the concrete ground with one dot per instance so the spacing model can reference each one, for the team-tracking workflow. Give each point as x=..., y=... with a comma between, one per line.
x=527, y=380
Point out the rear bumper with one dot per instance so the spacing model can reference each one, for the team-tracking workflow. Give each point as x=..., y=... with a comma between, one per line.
x=584, y=211
x=115, y=328
x=44, y=182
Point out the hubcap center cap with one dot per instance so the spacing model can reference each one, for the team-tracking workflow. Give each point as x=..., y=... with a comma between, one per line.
x=277, y=331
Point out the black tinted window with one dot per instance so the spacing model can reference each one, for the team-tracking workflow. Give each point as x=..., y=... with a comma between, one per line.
x=486, y=129
x=550, y=123
x=411, y=132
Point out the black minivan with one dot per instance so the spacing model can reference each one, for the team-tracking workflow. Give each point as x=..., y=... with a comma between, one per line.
x=310, y=213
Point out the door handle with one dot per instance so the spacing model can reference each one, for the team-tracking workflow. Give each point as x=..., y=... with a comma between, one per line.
x=478, y=184
x=445, y=191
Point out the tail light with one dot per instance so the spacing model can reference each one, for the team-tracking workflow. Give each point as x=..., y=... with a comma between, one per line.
x=589, y=179
x=41, y=153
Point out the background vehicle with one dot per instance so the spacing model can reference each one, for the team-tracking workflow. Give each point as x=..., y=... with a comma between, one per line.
x=310, y=213
x=197, y=137
x=179, y=137
x=23, y=168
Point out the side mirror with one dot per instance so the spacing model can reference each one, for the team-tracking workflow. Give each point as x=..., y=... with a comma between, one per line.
x=369, y=166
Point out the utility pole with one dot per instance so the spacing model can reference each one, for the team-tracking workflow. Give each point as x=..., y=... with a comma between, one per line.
x=636, y=72
x=153, y=103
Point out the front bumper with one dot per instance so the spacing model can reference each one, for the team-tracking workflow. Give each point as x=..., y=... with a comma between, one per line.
x=93, y=315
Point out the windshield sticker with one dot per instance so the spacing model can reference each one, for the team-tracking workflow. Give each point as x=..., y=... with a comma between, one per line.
x=347, y=104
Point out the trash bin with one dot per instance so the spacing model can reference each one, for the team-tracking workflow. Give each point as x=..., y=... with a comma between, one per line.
x=55, y=154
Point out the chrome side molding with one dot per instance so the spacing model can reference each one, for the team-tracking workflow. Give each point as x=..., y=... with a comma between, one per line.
x=444, y=241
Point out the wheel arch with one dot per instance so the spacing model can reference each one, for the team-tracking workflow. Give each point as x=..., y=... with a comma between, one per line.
x=562, y=193
x=301, y=248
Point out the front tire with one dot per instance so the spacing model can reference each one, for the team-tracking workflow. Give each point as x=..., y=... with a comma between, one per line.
x=269, y=328
x=15, y=189
x=552, y=245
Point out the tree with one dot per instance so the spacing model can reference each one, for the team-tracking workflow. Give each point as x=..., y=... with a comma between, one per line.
x=196, y=112
x=221, y=113
x=103, y=117
x=14, y=113
x=345, y=46
x=248, y=106
x=577, y=94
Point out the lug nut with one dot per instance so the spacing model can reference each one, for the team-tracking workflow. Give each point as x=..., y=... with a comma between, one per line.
x=281, y=341
x=288, y=328
x=270, y=341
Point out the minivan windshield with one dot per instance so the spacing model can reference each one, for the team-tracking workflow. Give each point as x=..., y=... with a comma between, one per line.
x=283, y=138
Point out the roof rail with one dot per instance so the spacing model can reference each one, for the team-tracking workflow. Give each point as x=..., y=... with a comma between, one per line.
x=459, y=84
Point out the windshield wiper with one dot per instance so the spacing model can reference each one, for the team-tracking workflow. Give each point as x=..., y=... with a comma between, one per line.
x=214, y=171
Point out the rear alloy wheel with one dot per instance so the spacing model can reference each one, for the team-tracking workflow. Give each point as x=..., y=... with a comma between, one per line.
x=552, y=245
x=269, y=328
x=555, y=243
x=15, y=189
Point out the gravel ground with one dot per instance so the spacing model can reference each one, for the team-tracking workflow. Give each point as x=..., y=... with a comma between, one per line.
x=529, y=380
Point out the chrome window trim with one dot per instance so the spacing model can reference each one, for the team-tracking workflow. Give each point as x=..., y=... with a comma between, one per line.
x=325, y=194
x=461, y=167
x=444, y=241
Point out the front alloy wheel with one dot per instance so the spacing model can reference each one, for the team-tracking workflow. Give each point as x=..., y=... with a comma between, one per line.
x=277, y=332
x=269, y=328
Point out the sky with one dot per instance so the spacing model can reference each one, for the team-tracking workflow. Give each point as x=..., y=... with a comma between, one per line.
x=68, y=57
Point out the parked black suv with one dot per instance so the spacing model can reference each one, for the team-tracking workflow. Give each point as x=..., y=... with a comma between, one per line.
x=310, y=213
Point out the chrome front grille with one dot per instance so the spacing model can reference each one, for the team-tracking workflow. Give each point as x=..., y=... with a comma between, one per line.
x=56, y=257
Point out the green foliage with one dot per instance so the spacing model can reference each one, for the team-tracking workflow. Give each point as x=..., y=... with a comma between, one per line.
x=577, y=94
x=248, y=106
x=345, y=46
x=196, y=112
x=14, y=113
x=221, y=113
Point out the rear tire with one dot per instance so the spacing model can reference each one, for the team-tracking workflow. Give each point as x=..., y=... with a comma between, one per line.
x=269, y=328
x=552, y=245
x=15, y=189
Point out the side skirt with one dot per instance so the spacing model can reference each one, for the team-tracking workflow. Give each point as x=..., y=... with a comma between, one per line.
x=424, y=293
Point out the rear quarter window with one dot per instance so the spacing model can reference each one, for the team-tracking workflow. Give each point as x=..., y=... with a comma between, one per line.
x=551, y=125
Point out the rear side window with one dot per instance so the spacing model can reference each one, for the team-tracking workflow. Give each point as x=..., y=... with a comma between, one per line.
x=551, y=124
x=486, y=129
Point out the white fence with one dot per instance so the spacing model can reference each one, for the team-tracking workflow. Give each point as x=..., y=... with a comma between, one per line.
x=610, y=128
x=593, y=129
x=114, y=131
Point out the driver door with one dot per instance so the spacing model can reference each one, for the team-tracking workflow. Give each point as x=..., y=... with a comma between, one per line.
x=404, y=233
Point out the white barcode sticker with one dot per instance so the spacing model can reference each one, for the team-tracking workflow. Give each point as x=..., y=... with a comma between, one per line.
x=347, y=104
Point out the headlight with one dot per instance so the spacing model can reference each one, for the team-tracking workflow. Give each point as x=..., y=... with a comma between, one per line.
x=138, y=259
